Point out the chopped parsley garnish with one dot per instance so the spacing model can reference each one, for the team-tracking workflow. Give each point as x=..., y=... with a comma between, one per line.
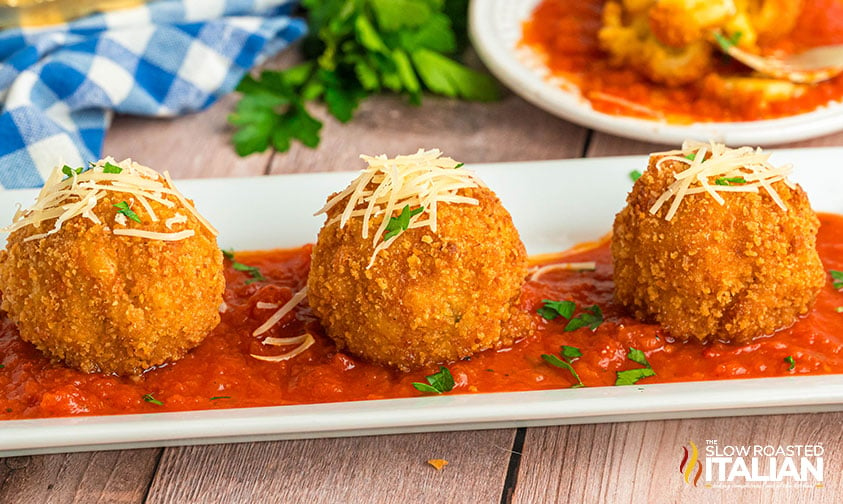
x=255, y=273
x=124, y=209
x=460, y=165
x=591, y=317
x=399, y=224
x=837, y=276
x=725, y=181
x=2, y=366
x=219, y=397
x=437, y=383
x=553, y=309
x=70, y=171
x=634, y=175
x=789, y=360
x=568, y=353
x=148, y=398
x=727, y=43
x=631, y=376
x=692, y=156
x=110, y=168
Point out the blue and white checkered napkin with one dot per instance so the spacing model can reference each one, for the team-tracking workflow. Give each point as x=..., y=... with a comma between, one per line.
x=59, y=85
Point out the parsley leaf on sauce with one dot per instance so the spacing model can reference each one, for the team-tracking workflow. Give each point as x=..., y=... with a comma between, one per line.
x=591, y=317
x=219, y=397
x=148, y=398
x=553, y=309
x=124, y=209
x=399, y=224
x=253, y=271
x=631, y=376
x=568, y=354
x=790, y=360
x=837, y=276
x=437, y=383
x=634, y=175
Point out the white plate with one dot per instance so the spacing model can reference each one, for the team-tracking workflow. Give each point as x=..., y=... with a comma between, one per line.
x=555, y=204
x=495, y=28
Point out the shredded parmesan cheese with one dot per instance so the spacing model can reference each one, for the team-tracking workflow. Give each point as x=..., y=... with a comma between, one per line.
x=65, y=197
x=263, y=305
x=713, y=161
x=307, y=342
x=297, y=298
x=179, y=218
x=574, y=266
x=421, y=180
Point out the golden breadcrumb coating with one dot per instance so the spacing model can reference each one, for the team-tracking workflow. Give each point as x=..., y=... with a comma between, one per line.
x=731, y=272
x=429, y=297
x=113, y=304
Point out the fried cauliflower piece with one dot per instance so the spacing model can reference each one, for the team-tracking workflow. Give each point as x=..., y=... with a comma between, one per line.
x=679, y=23
x=630, y=42
x=105, y=302
x=732, y=271
x=436, y=293
x=672, y=41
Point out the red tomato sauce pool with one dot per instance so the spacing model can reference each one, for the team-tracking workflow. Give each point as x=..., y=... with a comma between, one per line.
x=220, y=373
x=564, y=32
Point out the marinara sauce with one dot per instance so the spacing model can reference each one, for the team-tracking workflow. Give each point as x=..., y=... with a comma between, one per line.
x=564, y=32
x=220, y=373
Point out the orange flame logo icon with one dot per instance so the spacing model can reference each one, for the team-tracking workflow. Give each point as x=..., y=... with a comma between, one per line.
x=690, y=462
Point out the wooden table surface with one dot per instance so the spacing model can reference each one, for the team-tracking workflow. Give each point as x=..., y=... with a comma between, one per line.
x=621, y=462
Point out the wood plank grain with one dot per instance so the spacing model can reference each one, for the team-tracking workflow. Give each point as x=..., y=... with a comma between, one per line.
x=509, y=130
x=192, y=146
x=106, y=477
x=379, y=469
x=639, y=462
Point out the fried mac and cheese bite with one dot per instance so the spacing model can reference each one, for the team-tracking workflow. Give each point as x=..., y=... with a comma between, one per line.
x=418, y=263
x=112, y=270
x=716, y=244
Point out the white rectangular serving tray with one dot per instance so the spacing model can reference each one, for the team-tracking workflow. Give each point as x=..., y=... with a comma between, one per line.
x=555, y=204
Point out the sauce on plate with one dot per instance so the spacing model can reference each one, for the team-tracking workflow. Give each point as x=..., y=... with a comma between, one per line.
x=220, y=373
x=564, y=32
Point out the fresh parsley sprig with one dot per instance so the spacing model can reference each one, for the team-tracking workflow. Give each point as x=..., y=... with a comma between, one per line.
x=569, y=353
x=437, y=383
x=631, y=376
x=357, y=48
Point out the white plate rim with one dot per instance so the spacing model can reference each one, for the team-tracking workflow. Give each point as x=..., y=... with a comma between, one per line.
x=516, y=184
x=495, y=29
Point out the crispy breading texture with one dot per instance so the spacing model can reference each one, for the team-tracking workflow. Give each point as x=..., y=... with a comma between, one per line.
x=429, y=297
x=732, y=272
x=113, y=304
